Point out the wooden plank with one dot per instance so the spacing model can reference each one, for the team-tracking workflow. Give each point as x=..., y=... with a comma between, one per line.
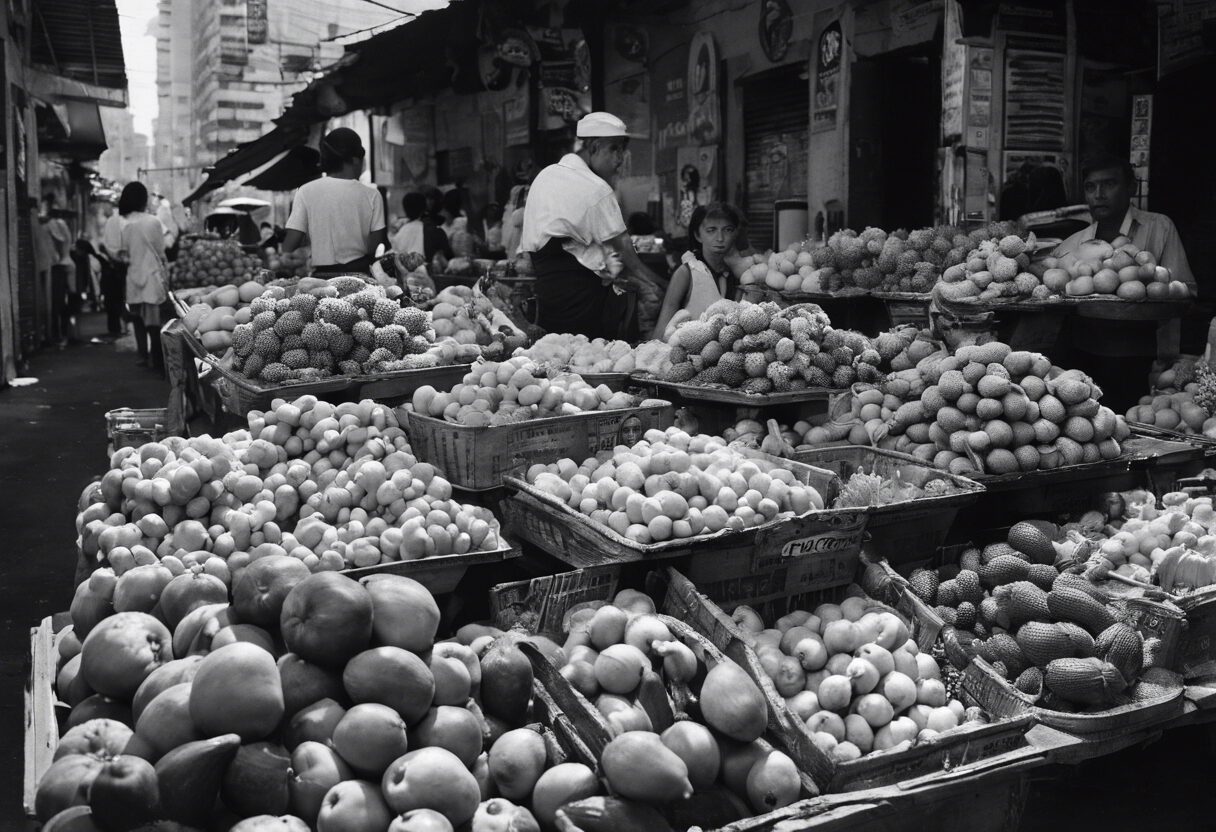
x=41, y=727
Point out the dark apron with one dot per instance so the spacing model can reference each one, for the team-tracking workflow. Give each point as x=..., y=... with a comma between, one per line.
x=362, y=266
x=572, y=298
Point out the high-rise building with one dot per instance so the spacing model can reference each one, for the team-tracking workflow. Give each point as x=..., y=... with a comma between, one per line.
x=217, y=89
x=127, y=152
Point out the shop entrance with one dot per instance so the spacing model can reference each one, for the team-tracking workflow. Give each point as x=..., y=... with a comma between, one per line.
x=776, y=113
x=894, y=125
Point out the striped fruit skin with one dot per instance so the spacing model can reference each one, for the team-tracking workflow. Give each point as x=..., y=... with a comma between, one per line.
x=1090, y=682
x=1123, y=647
x=1043, y=643
x=1069, y=604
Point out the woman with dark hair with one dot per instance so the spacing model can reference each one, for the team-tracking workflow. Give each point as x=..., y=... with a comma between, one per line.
x=705, y=275
x=340, y=217
x=143, y=250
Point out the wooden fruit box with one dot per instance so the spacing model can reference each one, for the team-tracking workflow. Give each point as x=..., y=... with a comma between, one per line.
x=440, y=574
x=725, y=395
x=968, y=742
x=999, y=697
x=478, y=458
x=41, y=704
x=541, y=604
x=795, y=551
x=897, y=531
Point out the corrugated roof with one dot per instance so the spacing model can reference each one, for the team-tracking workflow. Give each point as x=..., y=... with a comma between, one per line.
x=79, y=39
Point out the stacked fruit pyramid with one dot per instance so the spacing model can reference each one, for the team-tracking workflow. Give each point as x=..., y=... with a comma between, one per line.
x=995, y=269
x=1047, y=630
x=991, y=409
x=344, y=326
x=210, y=261
x=331, y=486
x=763, y=348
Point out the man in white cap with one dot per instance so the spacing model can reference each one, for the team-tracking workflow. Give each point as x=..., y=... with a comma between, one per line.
x=572, y=224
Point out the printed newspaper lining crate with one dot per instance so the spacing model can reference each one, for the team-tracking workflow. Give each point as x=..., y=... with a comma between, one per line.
x=900, y=530
x=440, y=574
x=1197, y=650
x=968, y=742
x=790, y=544
x=477, y=458
x=541, y=604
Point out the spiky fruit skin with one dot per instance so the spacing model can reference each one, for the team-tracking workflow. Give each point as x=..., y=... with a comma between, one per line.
x=924, y=583
x=275, y=373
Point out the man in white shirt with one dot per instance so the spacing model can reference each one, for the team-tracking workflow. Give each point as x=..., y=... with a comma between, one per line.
x=572, y=226
x=1109, y=183
x=340, y=218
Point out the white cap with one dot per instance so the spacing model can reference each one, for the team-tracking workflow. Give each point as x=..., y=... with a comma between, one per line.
x=600, y=125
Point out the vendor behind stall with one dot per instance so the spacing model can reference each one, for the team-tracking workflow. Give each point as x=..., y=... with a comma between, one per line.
x=340, y=217
x=572, y=226
x=1109, y=183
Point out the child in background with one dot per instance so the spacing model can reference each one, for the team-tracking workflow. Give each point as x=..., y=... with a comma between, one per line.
x=701, y=280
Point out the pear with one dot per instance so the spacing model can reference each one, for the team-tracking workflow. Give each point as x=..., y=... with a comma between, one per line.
x=190, y=777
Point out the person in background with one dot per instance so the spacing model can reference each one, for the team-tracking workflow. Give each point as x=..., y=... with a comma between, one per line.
x=63, y=280
x=164, y=213
x=452, y=214
x=114, y=273
x=704, y=276
x=513, y=219
x=417, y=233
x=143, y=250
x=490, y=227
x=340, y=217
x=44, y=257
x=572, y=228
x=1109, y=183
x=88, y=277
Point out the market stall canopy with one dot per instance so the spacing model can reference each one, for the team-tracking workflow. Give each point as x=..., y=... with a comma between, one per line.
x=78, y=39
x=72, y=129
x=244, y=203
x=292, y=169
x=249, y=156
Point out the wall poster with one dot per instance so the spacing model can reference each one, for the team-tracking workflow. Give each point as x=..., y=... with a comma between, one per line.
x=825, y=98
x=704, y=115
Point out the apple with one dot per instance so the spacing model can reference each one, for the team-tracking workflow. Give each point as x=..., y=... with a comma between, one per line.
x=125, y=794
x=316, y=769
x=327, y=619
x=264, y=585
x=353, y=806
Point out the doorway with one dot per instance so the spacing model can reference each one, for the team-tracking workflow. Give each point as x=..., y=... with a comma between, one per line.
x=894, y=127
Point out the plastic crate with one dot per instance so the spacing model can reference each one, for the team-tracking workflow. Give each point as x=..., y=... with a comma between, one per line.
x=129, y=427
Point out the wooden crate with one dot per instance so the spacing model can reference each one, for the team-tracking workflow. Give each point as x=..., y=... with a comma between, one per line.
x=899, y=531
x=478, y=458
x=440, y=574
x=1196, y=659
x=540, y=604
x=999, y=697
x=41, y=705
x=968, y=742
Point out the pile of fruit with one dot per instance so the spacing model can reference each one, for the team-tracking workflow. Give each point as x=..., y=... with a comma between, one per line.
x=1116, y=268
x=853, y=675
x=899, y=261
x=762, y=348
x=307, y=701
x=332, y=486
x=1047, y=630
x=671, y=485
x=993, y=410
x=466, y=317
x=791, y=271
x=623, y=658
x=578, y=354
x=1184, y=400
x=211, y=261
x=214, y=315
x=516, y=390
x=343, y=325
x=995, y=270
x=290, y=263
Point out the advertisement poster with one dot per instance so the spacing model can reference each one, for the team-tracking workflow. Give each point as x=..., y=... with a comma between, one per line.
x=418, y=134
x=954, y=72
x=515, y=121
x=825, y=99
x=1142, y=130
x=565, y=77
x=776, y=29
x=695, y=184
x=388, y=144
x=704, y=114
x=256, y=24
x=670, y=107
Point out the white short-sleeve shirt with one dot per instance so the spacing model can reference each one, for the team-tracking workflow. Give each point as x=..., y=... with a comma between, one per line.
x=339, y=216
x=569, y=201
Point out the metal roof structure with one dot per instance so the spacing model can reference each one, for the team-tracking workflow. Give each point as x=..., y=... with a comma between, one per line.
x=78, y=39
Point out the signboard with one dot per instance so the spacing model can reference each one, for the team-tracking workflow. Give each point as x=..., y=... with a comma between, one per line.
x=696, y=183
x=776, y=28
x=825, y=97
x=670, y=107
x=954, y=72
x=418, y=142
x=704, y=116
x=565, y=77
x=979, y=96
x=1036, y=100
x=1180, y=34
x=256, y=21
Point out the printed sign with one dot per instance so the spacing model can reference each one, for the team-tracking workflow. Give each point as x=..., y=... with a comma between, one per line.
x=776, y=29
x=256, y=23
x=826, y=99
x=704, y=118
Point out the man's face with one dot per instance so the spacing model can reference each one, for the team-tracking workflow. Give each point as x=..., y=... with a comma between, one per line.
x=607, y=157
x=1107, y=193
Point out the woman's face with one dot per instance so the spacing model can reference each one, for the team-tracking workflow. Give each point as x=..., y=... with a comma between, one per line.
x=717, y=235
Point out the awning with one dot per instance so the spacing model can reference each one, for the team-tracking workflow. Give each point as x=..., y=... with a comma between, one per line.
x=79, y=39
x=246, y=157
x=71, y=128
x=294, y=168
